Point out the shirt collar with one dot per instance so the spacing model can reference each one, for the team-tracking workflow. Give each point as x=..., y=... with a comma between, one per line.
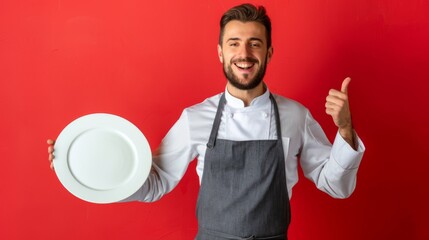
x=238, y=103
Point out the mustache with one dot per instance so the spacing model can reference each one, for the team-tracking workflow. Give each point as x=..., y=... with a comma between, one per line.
x=246, y=59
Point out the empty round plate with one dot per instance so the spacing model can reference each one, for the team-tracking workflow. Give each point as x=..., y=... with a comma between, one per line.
x=102, y=158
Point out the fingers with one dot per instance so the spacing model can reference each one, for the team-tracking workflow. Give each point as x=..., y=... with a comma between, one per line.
x=333, y=109
x=51, y=156
x=330, y=106
x=337, y=104
x=336, y=98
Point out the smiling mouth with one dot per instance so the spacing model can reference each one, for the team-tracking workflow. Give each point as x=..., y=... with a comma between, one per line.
x=244, y=65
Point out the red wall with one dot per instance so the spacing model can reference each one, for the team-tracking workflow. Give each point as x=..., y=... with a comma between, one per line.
x=146, y=61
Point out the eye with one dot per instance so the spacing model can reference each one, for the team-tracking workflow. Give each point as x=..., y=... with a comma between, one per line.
x=255, y=44
x=233, y=44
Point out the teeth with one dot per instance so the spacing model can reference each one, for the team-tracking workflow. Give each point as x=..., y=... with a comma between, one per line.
x=244, y=65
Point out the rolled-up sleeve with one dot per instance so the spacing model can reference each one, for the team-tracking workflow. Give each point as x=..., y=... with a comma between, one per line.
x=170, y=162
x=333, y=168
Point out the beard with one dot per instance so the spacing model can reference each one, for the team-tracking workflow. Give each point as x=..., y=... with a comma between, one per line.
x=235, y=81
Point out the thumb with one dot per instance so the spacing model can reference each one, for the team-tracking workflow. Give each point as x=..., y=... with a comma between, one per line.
x=345, y=85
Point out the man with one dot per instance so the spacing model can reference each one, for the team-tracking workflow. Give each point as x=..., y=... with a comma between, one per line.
x=248, y=140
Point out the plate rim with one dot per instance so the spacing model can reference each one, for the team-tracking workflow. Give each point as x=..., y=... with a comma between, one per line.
x=100, y=121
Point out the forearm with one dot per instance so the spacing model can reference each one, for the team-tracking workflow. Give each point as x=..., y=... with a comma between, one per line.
x=170, y=162
x=150, y=191
x=348, y=134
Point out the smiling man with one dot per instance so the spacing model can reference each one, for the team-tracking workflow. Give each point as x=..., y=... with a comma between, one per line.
x=248, y=142
x=244, y=52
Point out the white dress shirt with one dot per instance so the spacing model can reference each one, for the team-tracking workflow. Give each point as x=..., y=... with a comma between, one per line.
x=332, y=168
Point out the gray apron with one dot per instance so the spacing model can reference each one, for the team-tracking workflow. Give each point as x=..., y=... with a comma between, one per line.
x=243, y=192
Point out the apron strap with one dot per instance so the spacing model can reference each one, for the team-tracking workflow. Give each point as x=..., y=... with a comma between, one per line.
x=216, y=123
x=277, y=116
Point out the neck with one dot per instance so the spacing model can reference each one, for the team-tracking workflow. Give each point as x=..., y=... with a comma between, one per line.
x=246, y=96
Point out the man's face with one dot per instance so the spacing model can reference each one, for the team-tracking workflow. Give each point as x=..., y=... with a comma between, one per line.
x=244, y=53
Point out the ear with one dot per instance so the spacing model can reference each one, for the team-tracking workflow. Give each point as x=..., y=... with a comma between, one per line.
x=270, y=53
x=219, y=53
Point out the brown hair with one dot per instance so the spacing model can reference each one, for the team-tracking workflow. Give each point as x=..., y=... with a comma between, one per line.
x=246, y=13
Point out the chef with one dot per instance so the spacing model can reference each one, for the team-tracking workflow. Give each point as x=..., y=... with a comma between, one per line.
x=247, y=141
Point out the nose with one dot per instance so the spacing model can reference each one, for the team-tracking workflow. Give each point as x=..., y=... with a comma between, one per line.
x=244, y=51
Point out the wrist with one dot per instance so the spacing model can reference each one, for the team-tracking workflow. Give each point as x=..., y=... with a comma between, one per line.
x=347, y=133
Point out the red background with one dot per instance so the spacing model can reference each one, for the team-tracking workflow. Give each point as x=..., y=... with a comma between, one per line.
x=147, y=60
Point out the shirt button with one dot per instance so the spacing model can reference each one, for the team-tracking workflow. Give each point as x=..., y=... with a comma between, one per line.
x=230, y=115
x=265, y=115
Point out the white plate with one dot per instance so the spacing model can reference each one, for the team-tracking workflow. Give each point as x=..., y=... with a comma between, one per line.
x=102, y=158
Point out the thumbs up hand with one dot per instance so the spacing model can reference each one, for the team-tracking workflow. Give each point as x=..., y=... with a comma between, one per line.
x=337, y=105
